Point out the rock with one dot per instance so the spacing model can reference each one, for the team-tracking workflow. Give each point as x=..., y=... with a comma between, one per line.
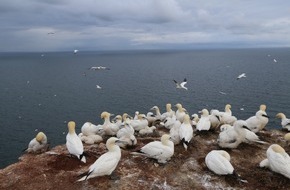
x=186, y=169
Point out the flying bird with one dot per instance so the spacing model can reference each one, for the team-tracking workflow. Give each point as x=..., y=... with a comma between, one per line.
x=275, y=60
x=75, y=51
x=98, y=87
x=181, y=85
x=243, y=75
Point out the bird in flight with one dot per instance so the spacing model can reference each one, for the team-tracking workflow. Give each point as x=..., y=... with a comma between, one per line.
x=243, y=75
x=181, y=85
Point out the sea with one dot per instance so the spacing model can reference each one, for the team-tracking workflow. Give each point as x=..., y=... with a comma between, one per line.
x=43, y=91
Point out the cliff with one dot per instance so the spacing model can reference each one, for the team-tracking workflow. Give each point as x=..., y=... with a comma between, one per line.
x=55, y=169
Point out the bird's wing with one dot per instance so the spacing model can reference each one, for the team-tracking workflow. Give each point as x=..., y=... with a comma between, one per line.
x=153, y=149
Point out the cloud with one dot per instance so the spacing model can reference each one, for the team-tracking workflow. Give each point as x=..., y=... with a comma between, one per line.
x=130, y=24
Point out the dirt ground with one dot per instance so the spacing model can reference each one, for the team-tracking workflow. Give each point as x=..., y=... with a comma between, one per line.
x=186, y=169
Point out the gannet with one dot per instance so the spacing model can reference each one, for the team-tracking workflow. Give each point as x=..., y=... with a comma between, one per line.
x=106, y=163
x=126, y=135
x=186, y=131
x=287, y=138
x=285, y=122
x=226, y=117
x=74, y=143
x=38, y=144
x=181, y=85
x=140, y=123
x=180, y=112
x=218, y=161
x=259, y=121
x=169, y=112
x=118, y=120
x=204, y=123
x=194, y=119
x=233, y=136
x=75, y=51
x=90, y=139
x=98, y=87
x=147, y=130
x=277, y=160
x=110, y=129
x=136, y=115
x=90, y=129
x=174, y=131
x=214, y=119
x=243, y=75
x=162, y=150
x=250, y=135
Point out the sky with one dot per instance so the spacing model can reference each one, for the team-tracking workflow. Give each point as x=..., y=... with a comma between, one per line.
x=65, y=25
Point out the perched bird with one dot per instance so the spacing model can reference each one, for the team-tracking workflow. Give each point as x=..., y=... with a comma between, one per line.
x=110, y=129
x=174, y=131
x=74, y=143
x=147, y=130
x=91, y=133
x=218, y=161
x=181, y=85
x=204, y=122
x=169, y=112
x=243, y=75
x=226, y=117
x=285, y=122
x=106, y=163
x=258, y=122
x=38, y=144
x=180, y=112
x=162, y=150
x=214, y=119
x=126, y=135
x=140, y=123
x=194, y=119
x=186, y=131
x=287, y=138
x=277, y=160
x=233, y=136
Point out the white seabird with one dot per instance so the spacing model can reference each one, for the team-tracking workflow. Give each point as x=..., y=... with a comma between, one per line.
x=74, y=143
x=226, y=117
x=258, y=122
x=243, y=75
x=109, y=128
x=204, y=122
x=38, y=144
x=147, y=130
x=169, y=112
x=277, y=160
x=233, y=136
x=285, y=122
x=140, y=123
x=186, y=131
x=180, y=112
x=214, y=119
x=194, y=119
x=181, y=85
x=91, y=133
x=106, y=163
x=162, y=150
x=75, y=51
x=126, y=135
x=218, y=161
x=98, y=87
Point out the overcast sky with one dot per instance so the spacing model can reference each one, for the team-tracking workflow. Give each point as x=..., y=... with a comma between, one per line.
x=64, y=25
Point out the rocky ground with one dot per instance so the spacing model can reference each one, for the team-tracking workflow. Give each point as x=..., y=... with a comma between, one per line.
x=186, y=170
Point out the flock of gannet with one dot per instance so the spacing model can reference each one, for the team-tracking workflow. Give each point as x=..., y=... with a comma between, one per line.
x=181, y=129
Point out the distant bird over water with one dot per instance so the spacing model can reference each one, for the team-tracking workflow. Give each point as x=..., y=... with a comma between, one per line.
x=181, y=85
x=243, y=75
x=75, y=51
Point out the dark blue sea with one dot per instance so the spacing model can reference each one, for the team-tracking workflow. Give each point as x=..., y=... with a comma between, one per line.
x=43, y=91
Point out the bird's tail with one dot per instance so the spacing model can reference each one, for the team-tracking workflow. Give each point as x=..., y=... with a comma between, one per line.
x=238, y=177
x=185, y=143
x=83, y=158
x=262, y=142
